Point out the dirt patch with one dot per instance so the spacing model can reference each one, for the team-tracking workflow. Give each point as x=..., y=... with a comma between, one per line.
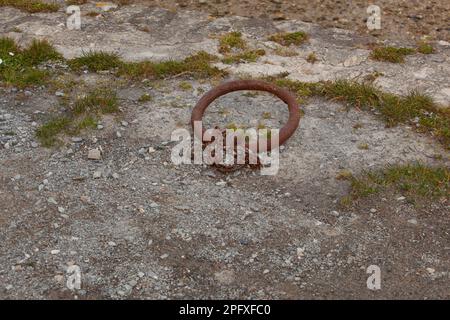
x=401, y=19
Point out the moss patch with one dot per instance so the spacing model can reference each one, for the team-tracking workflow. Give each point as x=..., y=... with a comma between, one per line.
x=229, y=41
x=391, y=54
x=145, y=98
x=76, y=2
x=235, y=50
x=288, y=38
x=266, y=115
x=245, y=56
x=285, y=52
x=31, y=6
x=425, y=48
x=185, y=86
x=363, y=146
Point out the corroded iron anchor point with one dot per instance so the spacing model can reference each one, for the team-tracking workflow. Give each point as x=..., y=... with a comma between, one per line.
x=230, y=86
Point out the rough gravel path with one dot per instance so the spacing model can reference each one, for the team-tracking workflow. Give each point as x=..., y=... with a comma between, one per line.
x=140, y=227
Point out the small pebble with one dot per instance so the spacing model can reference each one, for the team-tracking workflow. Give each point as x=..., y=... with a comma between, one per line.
x=94, y=154
x=300, y=253
x=97, y=174
x=59, y=278
x=154, y=205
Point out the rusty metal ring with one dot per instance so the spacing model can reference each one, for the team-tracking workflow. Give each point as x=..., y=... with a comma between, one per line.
x=230, y=86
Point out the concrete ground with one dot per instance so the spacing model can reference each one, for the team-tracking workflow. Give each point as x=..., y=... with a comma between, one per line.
x=147, y=229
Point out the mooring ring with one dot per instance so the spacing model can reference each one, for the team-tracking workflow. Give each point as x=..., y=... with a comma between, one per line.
x=287, y=97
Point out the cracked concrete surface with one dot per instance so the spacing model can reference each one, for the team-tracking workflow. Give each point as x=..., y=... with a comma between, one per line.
x=175, y=35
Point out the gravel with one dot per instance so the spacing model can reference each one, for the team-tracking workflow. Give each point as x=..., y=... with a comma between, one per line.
x=145, y=228
x=400, y=19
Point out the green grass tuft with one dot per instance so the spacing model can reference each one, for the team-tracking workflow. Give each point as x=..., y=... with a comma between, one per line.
x=23, y=78
x=82, y=116
x=415, y=181
x=96, y=61
x=98, y=101
x=31, y=6
x=88, y=122
x=359, y=95
x=19, y=67
x=391, y=54
x=399, y=110
x=47, y=134
x=288, y=38
x=415, y=108
x=301, y=89
x=312, y=58
x=197, y=65
x=8, y=45
x=40, y=51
